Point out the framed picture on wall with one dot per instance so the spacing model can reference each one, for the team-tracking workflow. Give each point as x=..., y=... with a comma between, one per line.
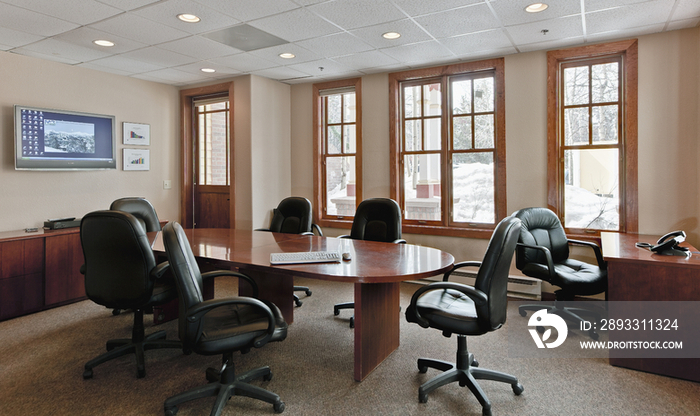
x=137, y=134
x=137, y=159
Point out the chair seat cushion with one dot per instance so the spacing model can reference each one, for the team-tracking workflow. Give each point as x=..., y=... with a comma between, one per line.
x=234, y=327
x=573, y=276
x=450, y=311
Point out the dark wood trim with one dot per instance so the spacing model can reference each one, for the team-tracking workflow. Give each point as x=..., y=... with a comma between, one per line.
x=319, y=202
x=187, y=143
x=446, y=226
x=629, y=51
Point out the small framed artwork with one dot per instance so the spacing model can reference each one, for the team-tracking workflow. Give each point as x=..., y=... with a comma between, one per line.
x=137, y=134
x=137, y=159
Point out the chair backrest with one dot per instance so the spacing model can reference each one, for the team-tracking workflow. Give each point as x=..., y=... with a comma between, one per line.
x=377, y=219
x=118, y=260
x=540, y=227
x=188, y=279
x=139, y=208
x=492, y=277
x=292, y=216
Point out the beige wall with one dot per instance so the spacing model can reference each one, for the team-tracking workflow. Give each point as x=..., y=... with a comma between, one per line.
x=27, y=198
x=669, y=91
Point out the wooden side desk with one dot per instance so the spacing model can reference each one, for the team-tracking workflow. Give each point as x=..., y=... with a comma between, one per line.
x=376, y=269
x=636, y=274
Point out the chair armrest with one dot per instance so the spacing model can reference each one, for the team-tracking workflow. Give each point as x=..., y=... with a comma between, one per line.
x=547, y=256
x=217, y=273
x=344, y=236
x=399, y=241
x=317, y=228
x=459, y=265
x=596, y=250
x=476, y=295
x=160, y=270
x=262, y=229
x=198, y=311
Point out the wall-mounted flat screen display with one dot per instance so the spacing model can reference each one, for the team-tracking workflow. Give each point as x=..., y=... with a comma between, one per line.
x=47, y=139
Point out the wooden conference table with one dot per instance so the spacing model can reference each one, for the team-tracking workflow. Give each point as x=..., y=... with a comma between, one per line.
x=376, y=269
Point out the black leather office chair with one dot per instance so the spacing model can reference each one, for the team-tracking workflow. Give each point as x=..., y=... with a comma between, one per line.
x=455, y=308
x=220, y=326
x=121, y=272
x=543, y=253
x=144, y=212
x=140, y=208
x=376, y=219
x=293, y=216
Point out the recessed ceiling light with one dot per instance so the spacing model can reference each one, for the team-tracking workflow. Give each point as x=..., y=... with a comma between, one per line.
x=208, y=70
x=391, y=35
x=189, y=18
x=536, y=7
x=103, y=42
x=287, y=55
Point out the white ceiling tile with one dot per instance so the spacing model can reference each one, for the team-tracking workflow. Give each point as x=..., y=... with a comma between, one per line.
x=244, y=62
x=338, y=44
x=171, y=75
x=102, y=68
x=686, y=9
x=48, y=57
x=84, y=36
x=122, y=63
x=418, y=8
x=199, y=47
x=627, y=17
x=351, y=14
x=196, y=68
x=565, y=27
x=160, y=57
x=246, y=10
x=409, y=30
x=488, y=54
x=315, y=67
x=126, y=5
x=295, y=25
x=369, y=59
x=65, y=50
x=512, y=12
x=14, y=38
x=76, y=11
x=551, y=44
x=167, y=12
x=477, y=42
x=281, y=73
x=300, y=54
x=23, y=20
x=595, y=5
x=461, y=21
x=625, y=33
x=418, y=52
x=683, y=24
x=140, y=29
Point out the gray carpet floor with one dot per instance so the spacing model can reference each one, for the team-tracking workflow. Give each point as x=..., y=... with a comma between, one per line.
x=42, y=357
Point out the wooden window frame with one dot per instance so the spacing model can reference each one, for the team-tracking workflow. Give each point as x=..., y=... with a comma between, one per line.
x=628, y=51
x=446, y=226
x=319, y=205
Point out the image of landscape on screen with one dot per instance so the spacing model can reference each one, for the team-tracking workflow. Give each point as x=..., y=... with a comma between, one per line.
x=68, y=137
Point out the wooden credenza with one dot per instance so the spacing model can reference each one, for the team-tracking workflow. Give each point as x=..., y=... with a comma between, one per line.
x=39, y=270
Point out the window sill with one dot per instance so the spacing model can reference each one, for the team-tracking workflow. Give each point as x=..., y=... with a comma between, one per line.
x=473, y=232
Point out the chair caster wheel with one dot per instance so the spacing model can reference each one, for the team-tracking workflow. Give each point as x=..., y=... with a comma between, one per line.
x=267, y=377
x=422, y=398
x=475, y=363
x=172, y=411
x=522, y=313
x=352, y=322
x=116, y=312
x=518, y=389
x=486, y=412
x=336, y=312
x=308, y=293
x=140, y=373
x=187, y=351
x=298, y=303
x=540, y=329
x=279, y=407
x=87, y=374
x=422, y=369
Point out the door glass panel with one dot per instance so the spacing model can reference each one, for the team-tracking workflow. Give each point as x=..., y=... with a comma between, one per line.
x=484, y=132
x=473, y=189
x=483, y=95
x=432, y=100
x=433, y=134
x=422, y=187
x=462, y=133
x=462, y=97
x=213, y=144
x=592, y=192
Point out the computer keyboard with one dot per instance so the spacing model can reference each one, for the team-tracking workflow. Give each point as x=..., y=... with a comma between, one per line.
x=305, y=257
